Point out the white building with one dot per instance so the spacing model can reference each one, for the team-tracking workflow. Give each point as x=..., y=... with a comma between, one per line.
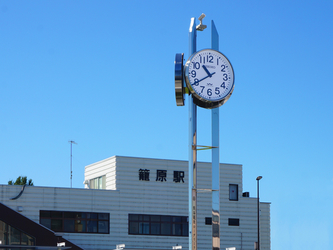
x=142, y=203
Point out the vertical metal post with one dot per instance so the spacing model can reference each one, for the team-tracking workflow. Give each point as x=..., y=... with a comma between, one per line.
x=258, y=215
x=258, y=211
x=192, y=168
x=215, y=161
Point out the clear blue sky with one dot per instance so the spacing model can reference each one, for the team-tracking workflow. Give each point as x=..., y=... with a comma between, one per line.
x=101, y=73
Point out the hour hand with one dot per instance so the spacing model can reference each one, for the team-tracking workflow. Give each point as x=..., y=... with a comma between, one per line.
x=208, y=73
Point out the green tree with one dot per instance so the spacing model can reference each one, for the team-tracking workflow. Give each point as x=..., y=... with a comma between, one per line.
x=21, y=180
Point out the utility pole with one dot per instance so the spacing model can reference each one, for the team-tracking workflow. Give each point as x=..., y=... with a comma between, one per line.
x=258, y=211
x=71, y=142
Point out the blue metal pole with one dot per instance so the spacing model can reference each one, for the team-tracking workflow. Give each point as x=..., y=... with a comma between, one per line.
x=192, y=168
x=215, y=161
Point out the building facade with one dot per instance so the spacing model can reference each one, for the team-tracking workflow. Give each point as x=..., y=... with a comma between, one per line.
x=143, y=203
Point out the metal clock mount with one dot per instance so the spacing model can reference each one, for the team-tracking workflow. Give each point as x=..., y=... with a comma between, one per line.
x=179, y=79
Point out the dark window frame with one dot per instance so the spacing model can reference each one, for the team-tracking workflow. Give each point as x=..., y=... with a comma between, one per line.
x=208, y=221
x=163, y=225
x=24, y=239
x=76, y=222
x=233, y=222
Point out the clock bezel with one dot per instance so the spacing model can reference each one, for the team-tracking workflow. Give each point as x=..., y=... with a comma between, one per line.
x=199, y=100
x=179, y=79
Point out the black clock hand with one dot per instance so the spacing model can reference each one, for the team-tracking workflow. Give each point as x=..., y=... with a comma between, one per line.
x=196, y=82
x=209, y=74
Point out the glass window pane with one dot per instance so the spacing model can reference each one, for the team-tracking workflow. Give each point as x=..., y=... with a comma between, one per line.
x=92, y=184
x=166, y=229
x=146, y=218
x=56, y=214
x=233, y=222
x=103, y=227
x=155, y=218
x=155, y=228
x=31, y=240
x=24, y=239
x=78, y=215
x=80, y=226
x=143, y=228
x=176, y=229
x=56, y=225
x=233, y=192
x=45, y=214
x=69, y=215
x=69, y=225
x=166, y=218
x=14, y=236
x=103, y=216
x=134, y=227
x=185, y=229
x=100, y=183
x=103, y=182
x=177, y=219
x=133, y=217
x=78, y=221
x=46, y=222
x=92, y=216
x=2, y=232
x=92, y=226
x=96, y=183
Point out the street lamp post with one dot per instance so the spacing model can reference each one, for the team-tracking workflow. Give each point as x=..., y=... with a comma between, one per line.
x=258, y=209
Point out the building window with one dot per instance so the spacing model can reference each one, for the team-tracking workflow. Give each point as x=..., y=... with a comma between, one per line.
x=165, y=225
x=208, y=221
x=233, y=192
x=75, y=222
x=98, y=183
x=233, y=222
x=11, y=236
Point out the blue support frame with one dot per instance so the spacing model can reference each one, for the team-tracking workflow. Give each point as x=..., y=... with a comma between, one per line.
x=192, y=201
x=215, y=160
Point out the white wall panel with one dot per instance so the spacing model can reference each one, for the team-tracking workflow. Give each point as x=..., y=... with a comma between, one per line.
x=127, y=194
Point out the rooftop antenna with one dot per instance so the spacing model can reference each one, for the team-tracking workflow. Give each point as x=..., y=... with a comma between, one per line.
x=71, y=142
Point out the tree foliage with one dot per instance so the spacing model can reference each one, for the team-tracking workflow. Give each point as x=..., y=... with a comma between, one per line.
x=21, y=180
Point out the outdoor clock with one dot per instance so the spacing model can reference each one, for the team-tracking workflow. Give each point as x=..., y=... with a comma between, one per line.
x=210, y=78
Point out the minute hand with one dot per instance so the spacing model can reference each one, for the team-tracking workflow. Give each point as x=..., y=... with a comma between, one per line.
x=195, y=83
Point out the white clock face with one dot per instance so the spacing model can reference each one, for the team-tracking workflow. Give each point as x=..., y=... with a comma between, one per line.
x=209, y=75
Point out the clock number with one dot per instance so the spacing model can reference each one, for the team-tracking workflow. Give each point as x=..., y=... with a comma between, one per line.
x=193, y=73
x=203, y=87
x=209, y=92
x=225, y=78
x=223, y=67
x=196, y=65
x=209, y=59
x=217, y=91
x=223, y=85
x=196, y=82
